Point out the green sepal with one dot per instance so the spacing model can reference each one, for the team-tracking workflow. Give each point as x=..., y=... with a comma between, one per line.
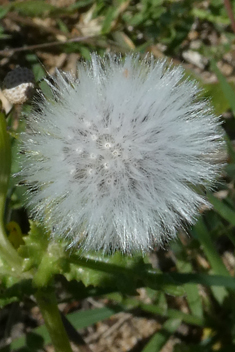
x=41, y=254
x=36, y=243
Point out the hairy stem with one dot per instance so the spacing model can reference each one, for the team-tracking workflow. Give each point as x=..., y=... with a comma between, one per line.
x=47, y=303
x=7, y=252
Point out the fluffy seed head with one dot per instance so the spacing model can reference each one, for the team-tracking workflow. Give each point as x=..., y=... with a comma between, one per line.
x=116, y=159
x=18, y=85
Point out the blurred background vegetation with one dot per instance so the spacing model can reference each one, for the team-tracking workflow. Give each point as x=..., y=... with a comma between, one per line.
x=199, y=313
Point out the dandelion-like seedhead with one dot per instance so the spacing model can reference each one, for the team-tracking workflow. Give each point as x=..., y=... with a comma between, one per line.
x=115, y=160
x=18, y=85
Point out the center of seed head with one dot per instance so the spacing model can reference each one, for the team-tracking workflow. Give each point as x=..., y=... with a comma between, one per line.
x=107, y=145
x=97, y=155
x=105, y=141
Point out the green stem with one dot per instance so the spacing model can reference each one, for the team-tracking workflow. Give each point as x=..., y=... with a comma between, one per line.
x=47, y=303
x=7, y=252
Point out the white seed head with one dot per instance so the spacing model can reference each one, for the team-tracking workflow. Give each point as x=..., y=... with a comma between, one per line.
x=140, y=147
x=18, y=85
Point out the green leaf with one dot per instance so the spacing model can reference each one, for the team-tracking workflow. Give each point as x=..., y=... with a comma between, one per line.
x=173, y=314
x=225, y=86
x=214, y=92
x=151, y=277
x=79, y=320
x=112, y=273
x=63, y=27
x=218, y=267
x=201, y=232
x=4, y=10
x=194, y=300
x=110, y=16
x=190, y=347
x=204, y=279
x=230, y=150
x=40, y=73
x=34, y=342
x=79, y=4
x=124, y=272
x=160, y=338
x=77, y=290
x=183, y=265
x=207, y=15
x=15, y=289
x=222, y=209
x=165, y=283
x=160, y=308
x=33, y=8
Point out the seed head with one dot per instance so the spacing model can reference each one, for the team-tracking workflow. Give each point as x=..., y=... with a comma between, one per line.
x=117, y=159
x=18, y=85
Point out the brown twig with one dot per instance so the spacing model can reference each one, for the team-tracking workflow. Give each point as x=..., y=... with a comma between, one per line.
x=44, y=45
x=31, y=23
x=229, y=9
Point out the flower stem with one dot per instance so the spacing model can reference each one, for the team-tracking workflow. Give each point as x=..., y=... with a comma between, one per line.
x=229, y=10
x=7, y=252
x=47, y=303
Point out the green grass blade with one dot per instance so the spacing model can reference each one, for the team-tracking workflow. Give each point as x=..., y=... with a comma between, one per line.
x=172, y=314
x=184, y=265
x=201, y=232
x=226, y=88
x=160, y=338
x=156, y=278
x=230, y=149
x=194, y=300
x=222, y=209
x=204, y=279
x=215, y=261
x=79, y=320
